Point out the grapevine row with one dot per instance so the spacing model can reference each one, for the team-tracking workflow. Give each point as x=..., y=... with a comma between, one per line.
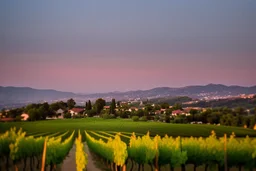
x=175, y=152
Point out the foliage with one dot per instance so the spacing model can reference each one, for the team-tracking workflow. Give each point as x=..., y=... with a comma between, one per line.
x=88, y=105
x=57, y=150
x=114, y=150
x=112, y=107
x=108, y=116
x=143, y=118
x=171, y=100
x=99, y=104
x=71, y=103
x=135, y=118
x=91, y=112
x=67, y=115
x=81, y=156
x=142, y=149
x=170, y=151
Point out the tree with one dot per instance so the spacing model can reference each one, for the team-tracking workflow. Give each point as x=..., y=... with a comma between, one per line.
x=113, y=107
x=240, y=111
x=67, y=115
x=33, y=114
x=124, y=114
x=54, y=106
x=157, y=107
x=165, y=105
x=167, y=118
x=140, y=113
x=99, y=104
x=177, y=106
x=86, y=106
x=118, y=104
x=71, y=103
x=15, y=112
x=3, y=112
x=149, y=108
x=89, y=105
x=91, y=113
x=193, y=112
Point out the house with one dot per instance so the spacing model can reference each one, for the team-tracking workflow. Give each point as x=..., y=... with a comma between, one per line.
x=177, y=112
x=7, y=119
x=60, y=113
x=157, y=112
x=106, y=107
x=133, y=109
x=24, y=117
x=122, y=104
x=163, y=111
x=76, y=111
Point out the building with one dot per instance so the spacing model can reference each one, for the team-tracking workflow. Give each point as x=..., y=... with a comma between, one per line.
x=177, y=112
x=24, y=117
x=133, y=109
x=60, y=113
x=106, y=107
x=76, y=111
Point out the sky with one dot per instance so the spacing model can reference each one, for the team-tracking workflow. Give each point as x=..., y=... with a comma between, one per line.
x=101, y=46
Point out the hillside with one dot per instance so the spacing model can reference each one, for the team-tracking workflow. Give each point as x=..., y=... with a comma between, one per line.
x=16, y=96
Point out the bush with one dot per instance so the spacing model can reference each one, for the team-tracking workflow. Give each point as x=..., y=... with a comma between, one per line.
x=143, y=118
x=135, y=118
x=108, y=116
x=91, y=113
x=67, y=115
x=156, y=118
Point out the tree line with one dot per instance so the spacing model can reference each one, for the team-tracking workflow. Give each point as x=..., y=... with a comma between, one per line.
x=222, y=115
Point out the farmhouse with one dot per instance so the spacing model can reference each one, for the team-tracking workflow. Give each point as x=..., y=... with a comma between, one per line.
x=177, y=112
x=106, y=107
x=133, y=109
x=60, y=113
x=24, y=117
x=7, y=119
x=76, y=111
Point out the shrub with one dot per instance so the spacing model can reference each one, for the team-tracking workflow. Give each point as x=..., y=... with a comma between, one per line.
x=108, y=116
x=135, y=118
x=156, y=118
x=67, y=115
x=143, y=118
x=91, y=113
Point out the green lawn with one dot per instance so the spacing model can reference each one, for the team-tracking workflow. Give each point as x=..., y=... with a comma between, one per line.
x=126, y=125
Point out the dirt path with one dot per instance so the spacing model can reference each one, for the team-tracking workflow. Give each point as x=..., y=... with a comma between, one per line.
x=69, y=164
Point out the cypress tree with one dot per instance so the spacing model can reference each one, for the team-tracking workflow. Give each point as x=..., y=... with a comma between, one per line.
x=89, y=105
x=113, y=106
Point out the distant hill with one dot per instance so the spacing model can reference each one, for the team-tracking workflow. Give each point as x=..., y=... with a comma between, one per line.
x=24, y=95
x=200, y=91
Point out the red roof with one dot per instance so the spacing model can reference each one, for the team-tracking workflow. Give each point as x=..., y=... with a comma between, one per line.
x=177, y=112
x=77, y=110
x=7, y=119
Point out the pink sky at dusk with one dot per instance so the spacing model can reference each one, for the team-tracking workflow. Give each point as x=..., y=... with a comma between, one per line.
x=90, y=47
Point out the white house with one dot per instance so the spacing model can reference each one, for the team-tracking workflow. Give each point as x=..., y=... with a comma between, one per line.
x=75, y=111
x=60, y=113
x=24, y=116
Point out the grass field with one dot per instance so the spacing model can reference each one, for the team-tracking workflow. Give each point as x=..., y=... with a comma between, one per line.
x=125, y=125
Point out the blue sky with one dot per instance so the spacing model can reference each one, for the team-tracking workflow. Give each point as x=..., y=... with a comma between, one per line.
x=114, y=45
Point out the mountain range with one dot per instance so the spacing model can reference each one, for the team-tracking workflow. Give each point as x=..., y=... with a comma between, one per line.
x=15, y=96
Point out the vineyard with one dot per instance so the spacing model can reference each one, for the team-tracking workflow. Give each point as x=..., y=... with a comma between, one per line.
x=125, y=151
x=19, y=151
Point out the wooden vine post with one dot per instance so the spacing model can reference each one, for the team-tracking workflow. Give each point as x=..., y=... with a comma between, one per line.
x=225, y=152
x=156, y=164
x=44, y=154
